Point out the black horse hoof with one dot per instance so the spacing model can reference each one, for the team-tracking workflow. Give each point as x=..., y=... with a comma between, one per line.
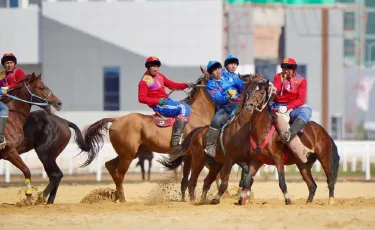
x=215, y=201
x=288, y=202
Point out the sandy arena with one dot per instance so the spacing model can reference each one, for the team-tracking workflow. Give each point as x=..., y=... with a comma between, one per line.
x=152, y=205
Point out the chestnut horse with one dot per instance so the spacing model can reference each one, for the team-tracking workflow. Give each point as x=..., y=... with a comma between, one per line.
x=30, y=91
x=134, y=132
x=49, y=134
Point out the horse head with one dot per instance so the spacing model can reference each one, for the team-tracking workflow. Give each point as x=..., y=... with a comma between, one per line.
x=257, y=94
x=32, y=90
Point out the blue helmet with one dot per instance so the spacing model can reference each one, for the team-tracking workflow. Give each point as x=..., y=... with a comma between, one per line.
x=212, y=65
x=231, y=59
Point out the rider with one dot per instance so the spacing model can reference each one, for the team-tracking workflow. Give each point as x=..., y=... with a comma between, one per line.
x=151, y=91
x=224, y=91
x=231, y=63
x=8, y=79
x=291, y=94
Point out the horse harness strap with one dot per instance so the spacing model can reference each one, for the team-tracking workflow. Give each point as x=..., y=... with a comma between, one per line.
x=259, y=148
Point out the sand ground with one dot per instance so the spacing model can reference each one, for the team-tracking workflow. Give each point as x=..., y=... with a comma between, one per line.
x=156, y=205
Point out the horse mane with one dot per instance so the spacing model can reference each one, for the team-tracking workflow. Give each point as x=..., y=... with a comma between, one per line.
x=190, y=95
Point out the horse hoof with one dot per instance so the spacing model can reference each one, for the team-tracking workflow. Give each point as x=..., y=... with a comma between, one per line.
x=242, y=201
x=215, y=201
x=331, y=200
x=114, y=196
x=288, y=202
x=308, y=201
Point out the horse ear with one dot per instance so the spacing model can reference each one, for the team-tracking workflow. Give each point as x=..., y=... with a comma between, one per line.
x=33, y=75
x=205, y=73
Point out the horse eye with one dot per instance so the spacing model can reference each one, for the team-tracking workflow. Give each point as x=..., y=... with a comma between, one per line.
x=42, y=88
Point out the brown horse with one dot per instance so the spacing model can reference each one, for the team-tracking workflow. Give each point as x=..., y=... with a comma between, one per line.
x=49, y=134
x=30, y=91
x=276, y=153
x=134, y=132
x=236, y=148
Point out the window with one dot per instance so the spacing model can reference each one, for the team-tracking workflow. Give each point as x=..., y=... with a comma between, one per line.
x=13, y=3
x=370, y=51
x=371, y=23
x=111, y=88
x=370, y=3
x=349, y=21
x=349, y=48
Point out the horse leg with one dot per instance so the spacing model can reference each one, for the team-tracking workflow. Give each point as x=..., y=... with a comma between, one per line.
x=197, y=166
x=149, y=169
x=248, y=181
x=282, y=184
x=16, y=160
x=185, y=176
x=305, y=171
x=142, y=164
x=54, y=174
x=111, y=166
x=225, y=171
x=213, y=171
x=122, y=168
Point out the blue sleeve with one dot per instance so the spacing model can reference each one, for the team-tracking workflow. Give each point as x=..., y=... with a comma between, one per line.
x=238, y=83
x=215, y=94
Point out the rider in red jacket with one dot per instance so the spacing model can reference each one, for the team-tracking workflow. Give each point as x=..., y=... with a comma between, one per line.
x=8, y=79
x=151, y=91
x=291, y=94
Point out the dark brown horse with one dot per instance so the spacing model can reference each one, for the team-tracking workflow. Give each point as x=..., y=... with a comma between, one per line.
x=30, y=91
x=134, y=132
x=49, y=134
x=142, y=157
x=276, y=153
x=236, y=148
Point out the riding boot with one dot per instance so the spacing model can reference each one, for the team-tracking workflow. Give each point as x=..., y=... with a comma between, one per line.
x=211, y=140
x=297, y=125
x=3, y=122
x=178, y=129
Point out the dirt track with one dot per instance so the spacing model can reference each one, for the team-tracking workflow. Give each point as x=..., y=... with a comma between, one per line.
x=156, y=206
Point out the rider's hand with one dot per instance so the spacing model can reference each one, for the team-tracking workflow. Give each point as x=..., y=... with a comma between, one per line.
x=162, y=101
x=3, y=92
x=232, y=93
x=190, y=84
x=282, y=109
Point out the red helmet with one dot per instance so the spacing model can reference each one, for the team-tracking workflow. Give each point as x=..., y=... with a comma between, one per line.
x=151, y=61
x=8, y=57
x=289, y=63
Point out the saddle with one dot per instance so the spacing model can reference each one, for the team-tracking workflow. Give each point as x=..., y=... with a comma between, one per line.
x=162, y=121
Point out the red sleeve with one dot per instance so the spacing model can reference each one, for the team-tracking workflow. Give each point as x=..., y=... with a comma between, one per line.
x=19, y=76
x=302, y=91
x=142, y=95
x=277, y=83
x=174, y=85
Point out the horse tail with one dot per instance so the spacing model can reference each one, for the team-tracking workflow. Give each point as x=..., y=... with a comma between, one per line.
x=178, y=152
x=94, y=138
x=334, y=165
x=171, y=165
x=78, y=138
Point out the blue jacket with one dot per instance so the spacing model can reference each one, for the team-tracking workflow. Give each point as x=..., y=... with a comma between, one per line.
x=218, y=88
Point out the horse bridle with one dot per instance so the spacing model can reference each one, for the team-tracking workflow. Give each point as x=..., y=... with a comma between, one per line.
x=32, y=95
x=250, y=106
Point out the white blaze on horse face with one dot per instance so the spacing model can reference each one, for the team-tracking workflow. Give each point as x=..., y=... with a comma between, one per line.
x=257, y=88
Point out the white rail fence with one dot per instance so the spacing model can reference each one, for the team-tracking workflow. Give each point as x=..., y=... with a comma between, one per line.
x=351, y=152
